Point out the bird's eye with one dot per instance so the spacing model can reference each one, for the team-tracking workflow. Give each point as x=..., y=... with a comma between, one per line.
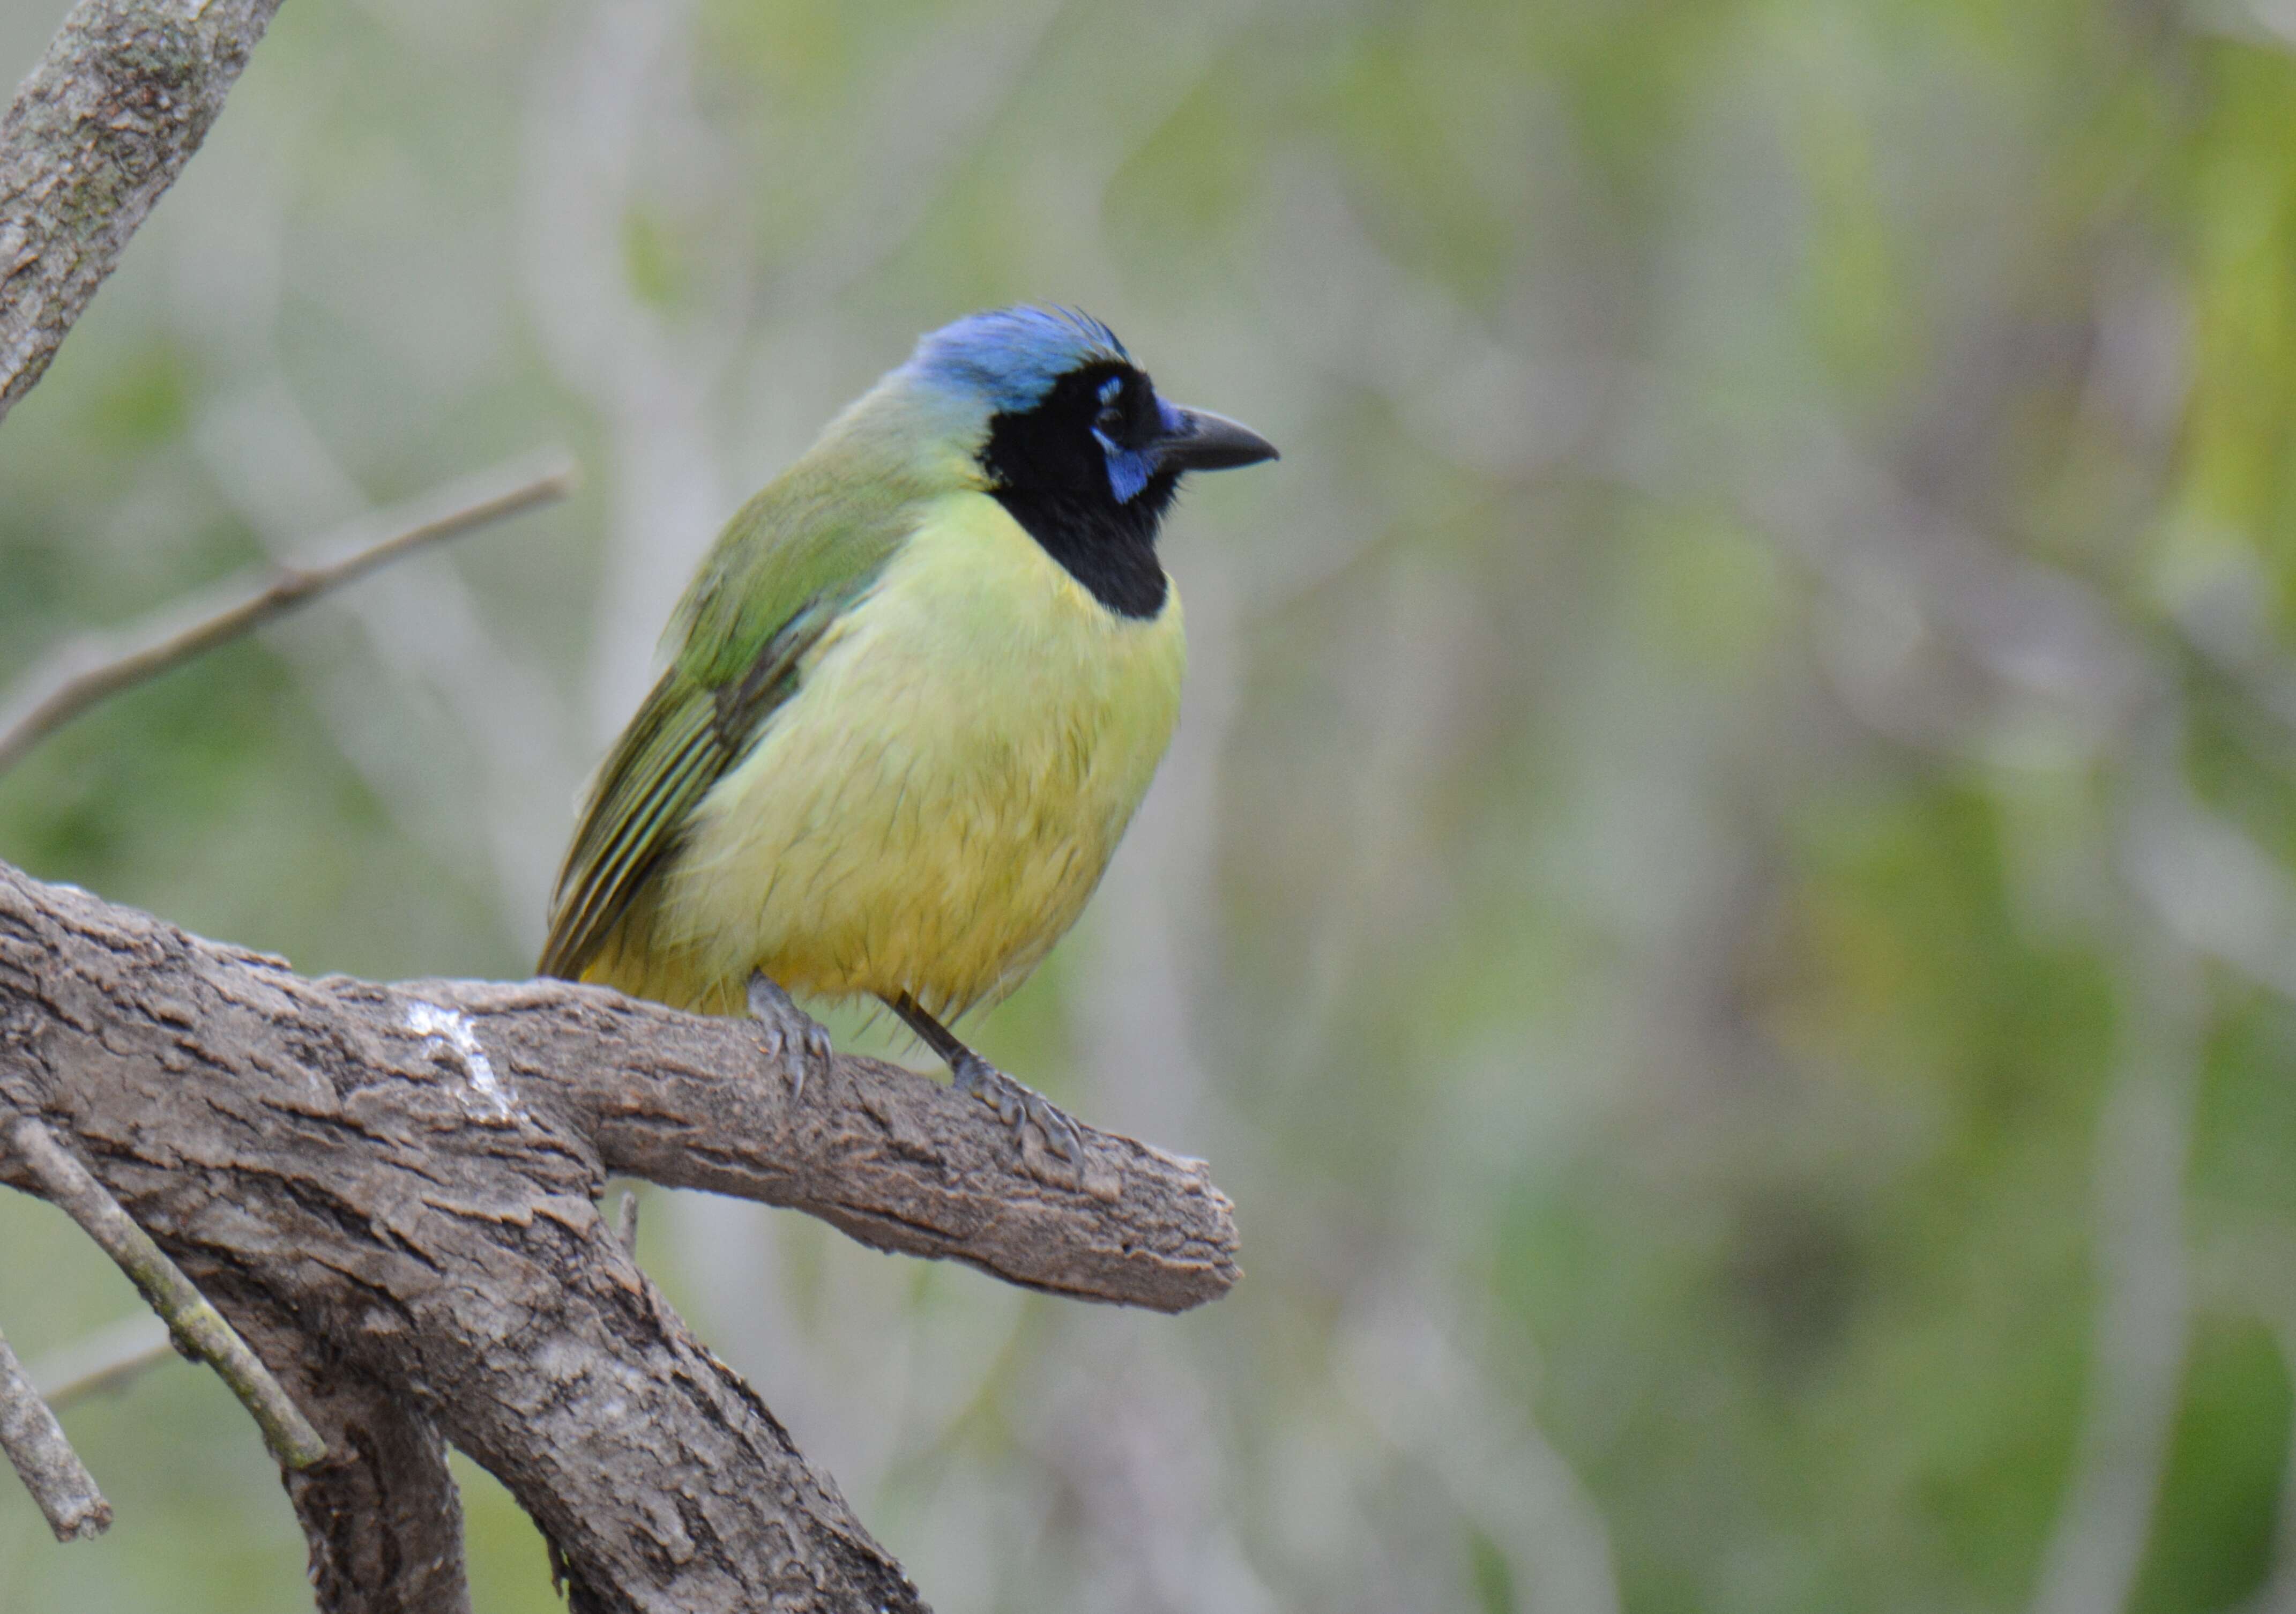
x=1109, y=423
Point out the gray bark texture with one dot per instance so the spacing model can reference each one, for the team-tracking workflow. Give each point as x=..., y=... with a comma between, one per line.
x=44, y=1460
x=96, y=133
x=391, y=1193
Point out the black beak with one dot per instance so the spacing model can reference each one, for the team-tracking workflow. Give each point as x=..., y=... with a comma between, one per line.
x=1201, y=440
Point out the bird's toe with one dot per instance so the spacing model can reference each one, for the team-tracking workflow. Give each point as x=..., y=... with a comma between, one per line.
x=791, y=1038
x=1017, y=1105
x=1061, y=1134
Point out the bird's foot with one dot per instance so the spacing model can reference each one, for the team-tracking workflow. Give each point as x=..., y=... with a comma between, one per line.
x=1017, y=1105
x=789, y=1031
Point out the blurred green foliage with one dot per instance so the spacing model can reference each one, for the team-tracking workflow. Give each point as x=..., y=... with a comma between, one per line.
x=1722, y=901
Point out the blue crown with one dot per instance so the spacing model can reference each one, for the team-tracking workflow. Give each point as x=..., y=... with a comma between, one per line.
x=1010, y=357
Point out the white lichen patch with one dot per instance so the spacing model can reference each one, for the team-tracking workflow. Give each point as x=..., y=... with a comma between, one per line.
x=450, y=1028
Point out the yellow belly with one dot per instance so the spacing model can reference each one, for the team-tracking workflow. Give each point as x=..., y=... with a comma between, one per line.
x=930, y=811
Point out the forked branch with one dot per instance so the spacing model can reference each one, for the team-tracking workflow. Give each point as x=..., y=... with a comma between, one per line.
x=391, y=1192
x=198, y=1328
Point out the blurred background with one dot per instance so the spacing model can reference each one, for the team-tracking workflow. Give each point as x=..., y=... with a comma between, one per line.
x=1725, y=903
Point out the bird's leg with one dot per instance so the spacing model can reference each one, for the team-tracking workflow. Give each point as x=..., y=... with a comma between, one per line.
x=787, y=1028
x=1016, y=1104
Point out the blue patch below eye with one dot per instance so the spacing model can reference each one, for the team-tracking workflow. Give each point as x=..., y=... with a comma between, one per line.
x=1128, y=469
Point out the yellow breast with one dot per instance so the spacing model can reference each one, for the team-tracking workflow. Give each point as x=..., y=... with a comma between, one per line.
x=930, y=811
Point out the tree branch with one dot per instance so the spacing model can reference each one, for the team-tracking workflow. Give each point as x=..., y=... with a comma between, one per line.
x=96, y=133
x=104, y=1360
x=895, y=1161
x=401, y=1181
x=44, y=1459
x=198, y=1328
x=86, y=670
x=381, y=1513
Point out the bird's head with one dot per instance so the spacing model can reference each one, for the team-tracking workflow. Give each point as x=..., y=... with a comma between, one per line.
x=1055, y=407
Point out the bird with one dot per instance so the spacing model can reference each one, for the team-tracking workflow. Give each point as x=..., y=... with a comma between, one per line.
x=909, y=703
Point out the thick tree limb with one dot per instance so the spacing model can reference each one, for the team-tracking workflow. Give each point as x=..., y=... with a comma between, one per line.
x=86, y=670
x=900, y=1162
x=381, y=1513
x=400, y=1182
x=199, y=1329
x=44, y=1460
x=128, y=90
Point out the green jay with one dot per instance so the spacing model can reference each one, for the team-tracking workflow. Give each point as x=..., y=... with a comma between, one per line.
x=912, y=699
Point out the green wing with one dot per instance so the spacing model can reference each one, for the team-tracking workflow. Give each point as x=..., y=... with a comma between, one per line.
x=665, y=761
x=786, y=566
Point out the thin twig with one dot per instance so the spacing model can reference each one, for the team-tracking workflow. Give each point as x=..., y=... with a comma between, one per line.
x=104, y=1360
x=90, y=669
x=195, y=1322
x=44, y=1459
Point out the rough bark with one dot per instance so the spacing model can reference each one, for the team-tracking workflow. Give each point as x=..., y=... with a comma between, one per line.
x=194, y=1324
x=101, y=128
x=45, y=1461
x=390, y=1191
x=381, y=1510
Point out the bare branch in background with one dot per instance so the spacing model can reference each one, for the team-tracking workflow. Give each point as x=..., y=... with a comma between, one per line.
x=400, y=1184
x=482, y=748
x=104, y=1360
x=95, y=135
x=1427, y=1399
x=63, y=1182
x=92, y=669
x=2278, y=1594
x=2143, y=1317
x=44, y=1459
x=613, y=80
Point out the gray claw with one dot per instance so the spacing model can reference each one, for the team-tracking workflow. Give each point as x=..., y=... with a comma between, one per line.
x=1017, y=1105
x=783, y=1028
